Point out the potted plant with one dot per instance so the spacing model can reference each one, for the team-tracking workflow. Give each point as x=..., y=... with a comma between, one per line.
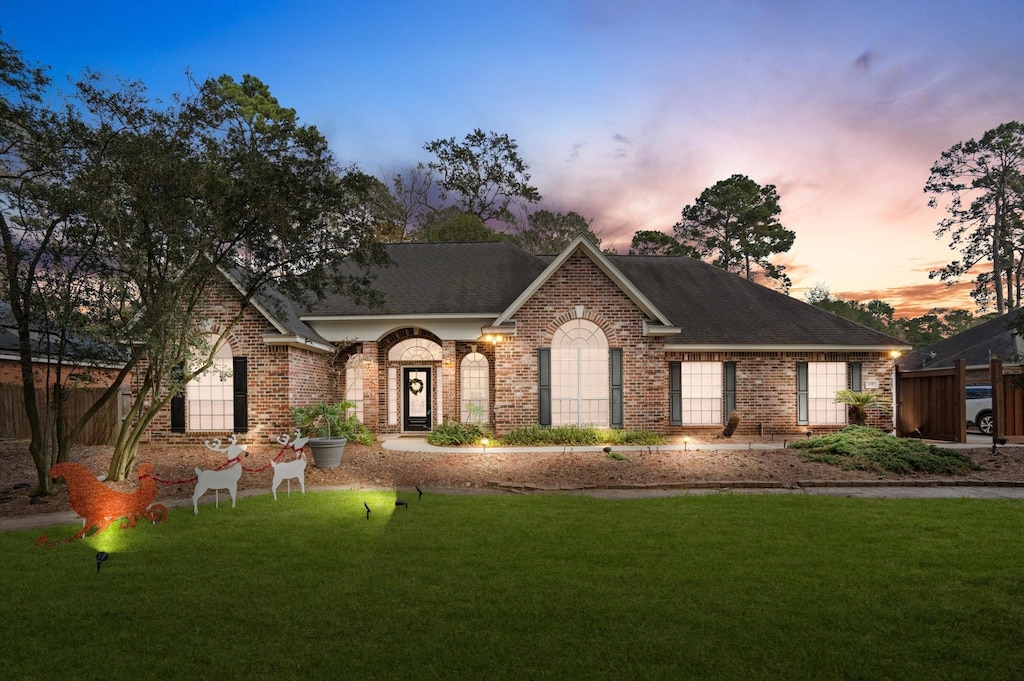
x=326, y=426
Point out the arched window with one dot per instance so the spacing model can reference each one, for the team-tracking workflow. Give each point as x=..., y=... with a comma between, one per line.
x=415, y=350
x=579, y=375
x=354, y=383
x=475, y=388
x=210, y=395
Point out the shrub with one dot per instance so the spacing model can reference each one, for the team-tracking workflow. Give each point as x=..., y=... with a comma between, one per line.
x=332, y=420
x=863, y=448
x=453, y=433
x=859, y=403
x=731, y=424
x=575, y=436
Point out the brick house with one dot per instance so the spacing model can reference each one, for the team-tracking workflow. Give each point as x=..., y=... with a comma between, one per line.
x=487, y=332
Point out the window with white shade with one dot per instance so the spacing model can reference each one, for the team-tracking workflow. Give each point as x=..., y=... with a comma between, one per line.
x=210, y=395
x=475, y=388
x=700, y=386
x=579, y=375
x=354, y=383
x=824, y=380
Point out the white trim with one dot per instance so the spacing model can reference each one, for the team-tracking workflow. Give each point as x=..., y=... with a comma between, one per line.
x=394, y=317
x=581, y=243
x=736, y=347
x=293, y=341
x=651, y=329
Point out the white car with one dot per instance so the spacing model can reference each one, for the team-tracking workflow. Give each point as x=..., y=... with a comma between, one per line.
x=979, y=408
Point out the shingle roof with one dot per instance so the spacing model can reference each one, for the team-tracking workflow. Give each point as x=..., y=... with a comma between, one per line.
x=442, y=278
x=711, y=306
x=714, y=307
x=976, y=345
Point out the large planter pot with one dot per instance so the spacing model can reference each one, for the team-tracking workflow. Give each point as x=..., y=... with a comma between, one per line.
x=327, y=451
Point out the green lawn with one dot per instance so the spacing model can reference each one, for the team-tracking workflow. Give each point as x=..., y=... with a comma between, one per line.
x=493, y=587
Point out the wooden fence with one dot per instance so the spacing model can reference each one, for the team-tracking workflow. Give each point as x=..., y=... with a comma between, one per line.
x=930, y=403
x=1008, y=400
x=99, y=430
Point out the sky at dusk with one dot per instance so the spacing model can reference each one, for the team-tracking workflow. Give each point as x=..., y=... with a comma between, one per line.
x=624, y=111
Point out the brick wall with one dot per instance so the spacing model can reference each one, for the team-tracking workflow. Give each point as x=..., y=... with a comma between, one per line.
x=280, y=377
x=580, y=283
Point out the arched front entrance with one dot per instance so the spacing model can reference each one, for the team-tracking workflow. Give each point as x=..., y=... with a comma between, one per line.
x=412, y=383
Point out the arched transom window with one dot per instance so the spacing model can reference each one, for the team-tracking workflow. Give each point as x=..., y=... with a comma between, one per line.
x=475, y=388
x=579, y=375
x=415, y=350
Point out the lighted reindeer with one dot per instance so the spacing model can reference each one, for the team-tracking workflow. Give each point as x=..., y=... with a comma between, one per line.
x=225, y=477
x=290, y=469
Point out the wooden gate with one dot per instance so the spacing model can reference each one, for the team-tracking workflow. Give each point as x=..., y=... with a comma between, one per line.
x=930, y=403
x=1008, y=400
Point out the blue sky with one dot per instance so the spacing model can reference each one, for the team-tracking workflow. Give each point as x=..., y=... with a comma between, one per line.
x=624, y=112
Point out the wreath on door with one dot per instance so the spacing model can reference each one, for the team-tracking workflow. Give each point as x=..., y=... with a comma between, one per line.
x=415, y=386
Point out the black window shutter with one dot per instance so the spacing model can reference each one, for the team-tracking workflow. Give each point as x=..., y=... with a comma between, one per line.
x=240, y=375
x=178, y=401
x=855, y=376
x=802, y=405
x=615, y=401
x=544, y=386
x=675, y=394
x=730, y=388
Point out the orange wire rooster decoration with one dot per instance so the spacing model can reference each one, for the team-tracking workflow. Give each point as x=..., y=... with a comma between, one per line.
x=100, y=505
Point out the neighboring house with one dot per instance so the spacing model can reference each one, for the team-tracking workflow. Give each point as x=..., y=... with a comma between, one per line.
x=977, y=346
x=487, y=332
x=76, y=373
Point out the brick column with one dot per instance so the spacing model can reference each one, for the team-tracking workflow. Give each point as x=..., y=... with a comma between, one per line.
x=449, y=381
x=371, y=383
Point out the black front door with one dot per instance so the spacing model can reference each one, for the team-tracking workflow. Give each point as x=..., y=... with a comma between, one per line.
x=416, y=399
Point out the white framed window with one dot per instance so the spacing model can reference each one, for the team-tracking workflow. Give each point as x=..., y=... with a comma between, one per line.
x=824, y=379
x=700, y=388
x=579, y=375
x=210, y=395
x=354, y=383
x=475, y=388
x=392, y=396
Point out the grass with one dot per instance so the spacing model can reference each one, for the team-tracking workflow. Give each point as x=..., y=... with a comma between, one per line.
x=534, y=587
x=863, y=448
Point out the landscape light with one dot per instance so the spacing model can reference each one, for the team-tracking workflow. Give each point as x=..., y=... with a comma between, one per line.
x=101, y=557
x=485, y=442
x=686, y=442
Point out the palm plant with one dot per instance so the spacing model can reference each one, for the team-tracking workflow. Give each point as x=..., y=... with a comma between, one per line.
x=859, y=403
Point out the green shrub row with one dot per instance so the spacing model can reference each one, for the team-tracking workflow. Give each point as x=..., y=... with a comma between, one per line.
x=453, y=434
x=864, y=448
x=538, y=436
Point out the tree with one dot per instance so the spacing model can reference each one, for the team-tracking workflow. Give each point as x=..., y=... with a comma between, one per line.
x=452, y=224
x=735, y=223
x=983, y=181
x=874, y=314
x=653, y=242
x=146, y=207
x=549, y=233
x=376, y=207
x=50, y=257
x=484, y=172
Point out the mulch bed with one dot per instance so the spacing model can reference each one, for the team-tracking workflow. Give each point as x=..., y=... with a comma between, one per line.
x=470, y=470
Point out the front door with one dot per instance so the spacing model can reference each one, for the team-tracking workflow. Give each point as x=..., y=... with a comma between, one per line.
x=416, y=400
